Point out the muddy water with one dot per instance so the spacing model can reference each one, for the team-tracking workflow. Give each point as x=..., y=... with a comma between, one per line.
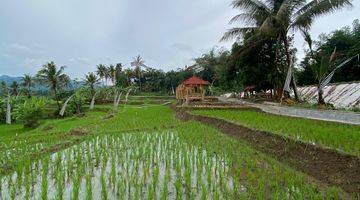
x=123, y=166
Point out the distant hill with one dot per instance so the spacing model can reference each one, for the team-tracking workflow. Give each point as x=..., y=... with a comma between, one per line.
x=40, y=88
x=9, y=79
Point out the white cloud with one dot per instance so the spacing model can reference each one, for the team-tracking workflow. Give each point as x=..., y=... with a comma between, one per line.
x=183, y=47
x=167, y=34
x=19, y=48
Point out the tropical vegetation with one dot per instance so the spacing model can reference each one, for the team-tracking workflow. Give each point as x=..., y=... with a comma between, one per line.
x=113, y=135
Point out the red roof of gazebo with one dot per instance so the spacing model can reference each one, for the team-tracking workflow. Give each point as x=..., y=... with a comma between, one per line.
x=195, y=81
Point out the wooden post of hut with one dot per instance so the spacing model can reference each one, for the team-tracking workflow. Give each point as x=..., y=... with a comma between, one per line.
x=192, y=89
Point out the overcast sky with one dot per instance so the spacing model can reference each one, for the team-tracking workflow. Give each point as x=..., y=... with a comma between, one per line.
x=80, y=34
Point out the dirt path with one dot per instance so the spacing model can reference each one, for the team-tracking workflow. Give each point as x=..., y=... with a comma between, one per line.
x=325, y=165
x=325, y=115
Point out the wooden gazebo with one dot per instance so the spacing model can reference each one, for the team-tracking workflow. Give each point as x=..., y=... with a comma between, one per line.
x=191, y=89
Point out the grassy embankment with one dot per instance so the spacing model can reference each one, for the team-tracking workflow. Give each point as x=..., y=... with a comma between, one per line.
x=258, y=175
x=343, y=137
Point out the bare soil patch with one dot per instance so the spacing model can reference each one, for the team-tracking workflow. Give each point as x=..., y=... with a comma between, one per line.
x=48, y=127
x=326, y=165
x=79, y=132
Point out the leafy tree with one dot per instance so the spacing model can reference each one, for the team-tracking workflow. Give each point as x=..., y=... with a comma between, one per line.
x=347, y=43
x=27, y=83
x=91, y=80
x=275, y=18
x=77, y=102
x=101, y=72
x=154, y=80
x=3, y=101
x=2, y=109
x=138, y=63
x=4, y=89
x=31, y=111
x=111, y=74
x=14, y=87
x=208, y=62
x=118, y=71
x=55, y=78
x=306, y=74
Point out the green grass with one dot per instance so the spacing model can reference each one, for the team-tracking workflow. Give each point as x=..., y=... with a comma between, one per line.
x=333, y=135
x=258, y=175
x=53, y=134
x=10, y=130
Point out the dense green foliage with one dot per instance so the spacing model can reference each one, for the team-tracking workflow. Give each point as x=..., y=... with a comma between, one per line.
x=131, y=148
x=347, y=44
x=31, y=111
x=329, y=134
x=54, y=78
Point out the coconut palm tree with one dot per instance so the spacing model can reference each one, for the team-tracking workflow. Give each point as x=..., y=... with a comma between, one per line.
x=14, y=88
x=138, y=63
x=27, y=83
x=91, y=80
x=118, y=70
x=101, y=72
x=275, y=18
x=55, y=78
x=111, y=72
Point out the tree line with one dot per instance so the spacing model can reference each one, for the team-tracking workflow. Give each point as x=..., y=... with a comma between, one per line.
x=345, y=42
x=262, y=57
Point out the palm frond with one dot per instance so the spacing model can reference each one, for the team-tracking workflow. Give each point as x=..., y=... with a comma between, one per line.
x=316, y=8
x=252, y=6
x=255, y=40
x=237, y=33
x=307, y=38
x=247, y=18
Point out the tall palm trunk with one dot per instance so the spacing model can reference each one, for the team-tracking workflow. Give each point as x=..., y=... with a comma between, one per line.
x=29, y=91
x=56, y=98
x=321, y=100
x=139, y=75
x=288, y=60
x=8, y=111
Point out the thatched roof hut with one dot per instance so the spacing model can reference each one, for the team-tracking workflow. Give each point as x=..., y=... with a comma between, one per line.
x=191, y=89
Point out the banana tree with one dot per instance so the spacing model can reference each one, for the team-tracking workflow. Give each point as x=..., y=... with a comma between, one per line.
x=322, y=68
x=91, y=81
x=63, y=108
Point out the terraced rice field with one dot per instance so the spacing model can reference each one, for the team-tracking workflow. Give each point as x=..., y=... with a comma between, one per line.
x=342, y=137
x=148, y=165
x=143, y=153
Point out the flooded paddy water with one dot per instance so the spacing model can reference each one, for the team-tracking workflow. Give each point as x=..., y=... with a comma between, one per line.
x=122, y=166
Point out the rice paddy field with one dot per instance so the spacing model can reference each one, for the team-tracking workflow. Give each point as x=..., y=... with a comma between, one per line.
x=143, y=152
x=342, y=137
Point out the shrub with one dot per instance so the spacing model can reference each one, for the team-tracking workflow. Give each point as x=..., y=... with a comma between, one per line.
x=31, y=111
x=2, y=110
x=76, y=104
x=14, y=102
